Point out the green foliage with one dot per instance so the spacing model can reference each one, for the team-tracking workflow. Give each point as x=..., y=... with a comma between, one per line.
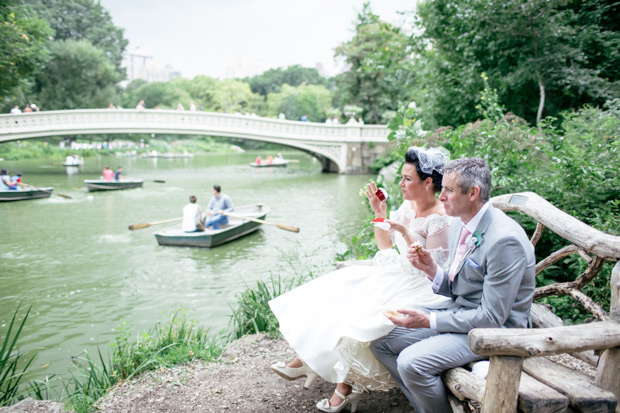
x=12, y=366
x=380, y=73
x=84, y=20
x=23, y=39
x=272, y=80
x=232, y=95
x=489, y=106
x=167, y=95
x=574, y=167
x=29, y=149
x=176, y=340
x=526, y=47
x=313, y=101
x=251, y=313
x=77, y=76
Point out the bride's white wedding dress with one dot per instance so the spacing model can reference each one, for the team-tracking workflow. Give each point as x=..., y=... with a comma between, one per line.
x=330, y=320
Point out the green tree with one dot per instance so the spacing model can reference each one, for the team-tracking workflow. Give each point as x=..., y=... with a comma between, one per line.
x=232, y=95
x=23, y=39
x=526, y=47
x=381, y=67
x=78, y=76
x=272, y=80
x=200, y=89
x=84, y=20
x=311, y=100
x=165, y=94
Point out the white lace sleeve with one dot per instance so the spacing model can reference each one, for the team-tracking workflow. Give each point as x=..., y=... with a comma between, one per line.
x=437, y=231
x=403, y=215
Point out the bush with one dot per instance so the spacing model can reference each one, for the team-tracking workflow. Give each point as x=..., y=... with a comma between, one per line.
x=573, y=166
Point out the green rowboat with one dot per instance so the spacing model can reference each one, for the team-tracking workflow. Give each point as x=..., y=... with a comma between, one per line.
x=235, y=228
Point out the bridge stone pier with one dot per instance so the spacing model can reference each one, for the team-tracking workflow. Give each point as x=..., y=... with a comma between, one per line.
x=345, y=149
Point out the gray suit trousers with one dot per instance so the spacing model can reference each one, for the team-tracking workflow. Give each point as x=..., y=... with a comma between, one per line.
x=417, y=357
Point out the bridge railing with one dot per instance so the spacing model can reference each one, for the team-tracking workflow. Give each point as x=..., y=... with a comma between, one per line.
x=93, y=121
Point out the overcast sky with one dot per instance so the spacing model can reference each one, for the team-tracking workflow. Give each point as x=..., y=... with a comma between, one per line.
x=209, y=36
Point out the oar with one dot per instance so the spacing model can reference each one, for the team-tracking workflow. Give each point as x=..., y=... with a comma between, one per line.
x=292, y=160
x=159, y=181
x=148, y=224
x=260, y=221
x=23, y=185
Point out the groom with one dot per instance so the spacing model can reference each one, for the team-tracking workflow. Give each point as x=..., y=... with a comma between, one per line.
x=491, y=280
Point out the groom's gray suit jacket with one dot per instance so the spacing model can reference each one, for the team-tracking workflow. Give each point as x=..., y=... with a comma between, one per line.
x=495, y=281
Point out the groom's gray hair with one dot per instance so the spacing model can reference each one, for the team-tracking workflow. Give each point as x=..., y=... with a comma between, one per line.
x=471, y=172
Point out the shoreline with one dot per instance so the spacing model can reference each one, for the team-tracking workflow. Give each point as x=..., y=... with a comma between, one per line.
x=240, y=380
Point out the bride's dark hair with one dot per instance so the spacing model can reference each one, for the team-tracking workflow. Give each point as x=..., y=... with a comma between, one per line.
x=413, y=157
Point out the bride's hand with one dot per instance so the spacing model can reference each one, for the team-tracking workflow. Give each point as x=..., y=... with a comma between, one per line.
x=421, y=259
x=380, y=207
x=397, y=227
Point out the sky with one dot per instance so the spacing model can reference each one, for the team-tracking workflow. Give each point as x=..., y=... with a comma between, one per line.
x=209, y=37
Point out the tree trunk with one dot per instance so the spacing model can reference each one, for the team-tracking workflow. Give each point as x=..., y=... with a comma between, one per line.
x=541, y=103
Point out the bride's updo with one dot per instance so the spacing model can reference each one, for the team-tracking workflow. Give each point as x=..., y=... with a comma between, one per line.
x=428, y=162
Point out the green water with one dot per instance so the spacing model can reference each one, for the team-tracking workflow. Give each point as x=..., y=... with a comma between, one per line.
x=84, y=272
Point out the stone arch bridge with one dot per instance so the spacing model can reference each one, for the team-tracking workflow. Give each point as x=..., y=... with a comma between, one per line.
x=345, y=149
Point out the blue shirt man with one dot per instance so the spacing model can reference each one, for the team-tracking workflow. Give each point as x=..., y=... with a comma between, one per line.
x=6, y=183
x=217, y=205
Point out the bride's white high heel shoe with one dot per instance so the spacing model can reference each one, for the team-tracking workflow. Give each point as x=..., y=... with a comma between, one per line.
x=352, y=399
x=294, y=373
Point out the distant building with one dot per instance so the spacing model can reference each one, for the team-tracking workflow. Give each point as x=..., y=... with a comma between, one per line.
x=140, y=64
x=245, y=66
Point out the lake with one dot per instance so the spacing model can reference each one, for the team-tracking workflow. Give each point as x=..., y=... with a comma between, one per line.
x=84, y=273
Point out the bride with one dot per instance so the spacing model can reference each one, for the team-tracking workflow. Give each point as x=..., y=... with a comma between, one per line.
x=330, y=320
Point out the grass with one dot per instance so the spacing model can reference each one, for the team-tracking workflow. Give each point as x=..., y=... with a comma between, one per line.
x=251, y=313
x=12, y=365
x=174, y=341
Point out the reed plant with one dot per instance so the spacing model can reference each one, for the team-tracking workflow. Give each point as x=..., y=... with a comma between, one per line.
x=251, y=313
x=12, y=365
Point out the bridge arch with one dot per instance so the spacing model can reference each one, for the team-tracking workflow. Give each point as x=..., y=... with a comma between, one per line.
x=340, y=148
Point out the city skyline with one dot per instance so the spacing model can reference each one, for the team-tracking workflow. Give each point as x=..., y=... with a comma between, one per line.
x=243, y=37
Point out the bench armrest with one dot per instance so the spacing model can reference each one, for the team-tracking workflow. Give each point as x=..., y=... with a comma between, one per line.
x=526, y=342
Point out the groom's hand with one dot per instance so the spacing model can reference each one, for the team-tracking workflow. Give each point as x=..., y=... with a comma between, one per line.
x=422, y=260
x=414, y=319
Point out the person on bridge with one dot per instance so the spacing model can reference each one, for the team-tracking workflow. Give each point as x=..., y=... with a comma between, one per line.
x=16, y=110
x=219, y=204
x=6, y=183
x=108, y=175
x=117, y=174
x=141, y=105
x=192, y=216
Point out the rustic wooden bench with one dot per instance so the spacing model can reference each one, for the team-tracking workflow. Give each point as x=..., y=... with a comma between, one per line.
x=520, y=378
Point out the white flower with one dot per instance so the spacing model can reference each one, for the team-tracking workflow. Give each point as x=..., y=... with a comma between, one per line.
x=412, y=105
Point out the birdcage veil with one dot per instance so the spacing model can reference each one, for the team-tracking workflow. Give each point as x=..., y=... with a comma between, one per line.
x=432, y=159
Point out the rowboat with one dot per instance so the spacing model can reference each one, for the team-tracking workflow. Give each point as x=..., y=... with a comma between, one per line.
x=73, y=161
x=273, y=164
x=236, y=227
x=21, y=195
x=101, y=185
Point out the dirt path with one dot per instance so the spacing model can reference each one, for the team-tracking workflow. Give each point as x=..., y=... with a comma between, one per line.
x=241, y=381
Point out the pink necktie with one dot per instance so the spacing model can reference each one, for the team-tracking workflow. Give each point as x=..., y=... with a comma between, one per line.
x=460, y=251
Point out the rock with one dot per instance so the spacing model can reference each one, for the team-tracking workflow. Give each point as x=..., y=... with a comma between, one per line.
x=30, y=405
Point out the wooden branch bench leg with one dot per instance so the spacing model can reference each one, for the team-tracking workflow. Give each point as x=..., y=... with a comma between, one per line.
x=607, y=376
x=503, y=381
